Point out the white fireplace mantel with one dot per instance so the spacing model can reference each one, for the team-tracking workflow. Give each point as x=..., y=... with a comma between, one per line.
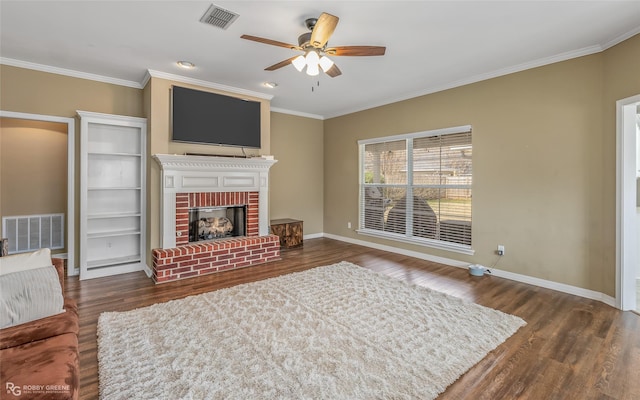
x=195, y=174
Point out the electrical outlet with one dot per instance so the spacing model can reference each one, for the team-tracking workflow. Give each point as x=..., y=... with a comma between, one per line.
x=500, y=250
x=349, y=225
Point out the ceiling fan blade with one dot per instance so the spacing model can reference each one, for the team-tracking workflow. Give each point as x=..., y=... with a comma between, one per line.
x=280, y=64
x=271, y=42
x=323, y=30
x=356, y=51
x=334, y=71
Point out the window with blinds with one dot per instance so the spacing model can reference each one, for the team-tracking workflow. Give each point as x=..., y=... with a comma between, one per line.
x=417, y=188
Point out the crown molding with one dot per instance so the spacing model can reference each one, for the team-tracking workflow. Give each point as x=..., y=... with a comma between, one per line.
x=621, y=38
x=211, y=85
x=494, y=74
x=123, y=82
x=69, y=72
x=124, y=119
x=178, y=78
x=478, y=78
x=296, y=113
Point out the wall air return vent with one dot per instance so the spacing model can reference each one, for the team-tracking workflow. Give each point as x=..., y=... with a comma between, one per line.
x=33, y=232
x=219, y=17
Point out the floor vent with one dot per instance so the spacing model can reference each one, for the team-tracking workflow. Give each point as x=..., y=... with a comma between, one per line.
x=33, y=232
x=219, y=17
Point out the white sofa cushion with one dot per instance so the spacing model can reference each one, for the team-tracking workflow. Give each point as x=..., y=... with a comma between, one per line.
x=24, y=261
x=29, y=288
x=29, y=295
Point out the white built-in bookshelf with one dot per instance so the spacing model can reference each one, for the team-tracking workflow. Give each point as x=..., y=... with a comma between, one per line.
x=112, y=190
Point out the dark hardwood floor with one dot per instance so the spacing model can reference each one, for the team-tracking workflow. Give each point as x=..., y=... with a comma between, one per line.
x=571, y=347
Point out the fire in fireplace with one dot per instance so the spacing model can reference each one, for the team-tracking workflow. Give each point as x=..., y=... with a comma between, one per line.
x=210, y=223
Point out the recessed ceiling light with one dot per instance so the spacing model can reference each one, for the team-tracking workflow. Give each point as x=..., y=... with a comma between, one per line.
x=186, y=64
x=270, y=85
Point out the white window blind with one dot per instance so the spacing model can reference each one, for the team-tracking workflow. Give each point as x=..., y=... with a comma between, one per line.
x=418, y=187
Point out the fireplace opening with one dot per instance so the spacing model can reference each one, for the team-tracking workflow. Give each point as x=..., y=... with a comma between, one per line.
x=210, y=223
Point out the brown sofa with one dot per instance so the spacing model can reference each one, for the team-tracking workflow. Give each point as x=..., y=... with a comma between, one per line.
x=39, y=359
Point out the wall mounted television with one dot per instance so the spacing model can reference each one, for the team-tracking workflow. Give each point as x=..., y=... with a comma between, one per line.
x=210, y=118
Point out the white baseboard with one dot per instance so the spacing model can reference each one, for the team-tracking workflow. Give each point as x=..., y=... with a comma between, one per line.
x=147, y=270
x=560, y=287
x=391, y=249
x=313, y=236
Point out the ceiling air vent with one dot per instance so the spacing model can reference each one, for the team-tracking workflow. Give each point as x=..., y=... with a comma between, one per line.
x=219, y=17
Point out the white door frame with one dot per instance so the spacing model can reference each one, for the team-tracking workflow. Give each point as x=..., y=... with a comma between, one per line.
x=72, y=269
x=626, y=241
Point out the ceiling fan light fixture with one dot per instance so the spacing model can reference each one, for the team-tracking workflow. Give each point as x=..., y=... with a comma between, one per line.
x=314, y=45
x=325, y=63
x=312, y=69
x=312, y=59
x=299, y=63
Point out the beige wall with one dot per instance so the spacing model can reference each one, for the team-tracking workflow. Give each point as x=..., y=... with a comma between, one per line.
x=33, y=165
x=157, y=103
x=544, y=164
x=34, y=92
x=544, y=156
x=160, y=112
x=296, y=189
x=621, y=76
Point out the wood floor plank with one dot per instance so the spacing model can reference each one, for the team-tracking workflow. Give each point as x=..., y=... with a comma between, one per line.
x=571, y=347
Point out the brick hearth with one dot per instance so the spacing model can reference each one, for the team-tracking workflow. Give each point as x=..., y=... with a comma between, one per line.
x=193, y=259
x=209, y=257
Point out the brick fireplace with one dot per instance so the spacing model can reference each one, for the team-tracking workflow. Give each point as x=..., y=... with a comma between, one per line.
x=201, y=181
x=187, y=201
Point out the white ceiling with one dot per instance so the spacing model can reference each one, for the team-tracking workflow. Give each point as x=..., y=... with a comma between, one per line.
x=431, y=45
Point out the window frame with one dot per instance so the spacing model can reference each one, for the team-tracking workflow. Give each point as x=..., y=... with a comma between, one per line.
x=409, y=185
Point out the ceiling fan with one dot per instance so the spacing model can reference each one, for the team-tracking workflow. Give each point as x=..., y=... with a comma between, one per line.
x=314, y=46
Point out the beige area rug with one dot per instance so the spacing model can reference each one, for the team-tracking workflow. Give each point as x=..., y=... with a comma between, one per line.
x=334, y=332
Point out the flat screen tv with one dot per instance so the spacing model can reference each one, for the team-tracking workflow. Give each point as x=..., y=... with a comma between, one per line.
x=211, y=118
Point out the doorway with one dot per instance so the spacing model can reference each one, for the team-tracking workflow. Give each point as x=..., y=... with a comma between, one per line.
x=72, y=269
x=627, y=202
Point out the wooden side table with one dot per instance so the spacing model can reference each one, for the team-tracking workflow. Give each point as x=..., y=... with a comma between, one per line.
x=289, y=230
